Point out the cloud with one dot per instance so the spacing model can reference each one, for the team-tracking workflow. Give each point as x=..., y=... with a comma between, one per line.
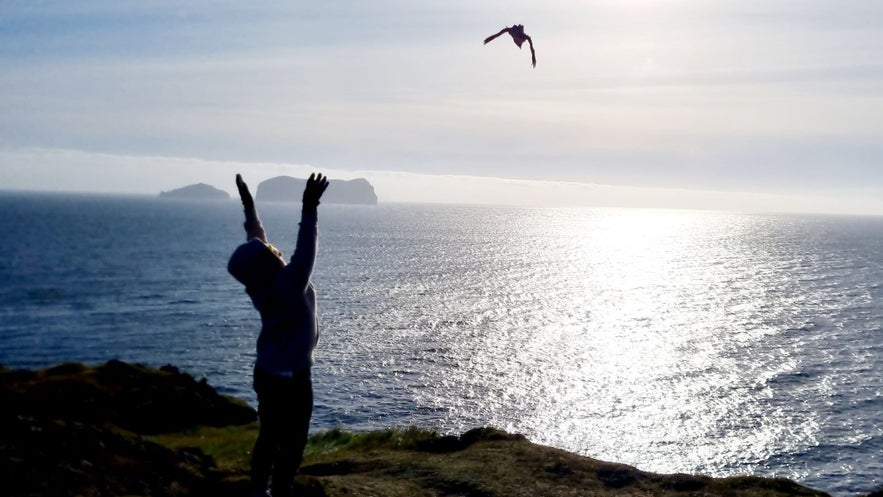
x=729, y=95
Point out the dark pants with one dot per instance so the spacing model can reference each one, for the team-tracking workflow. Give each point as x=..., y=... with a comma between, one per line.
x=284, y=409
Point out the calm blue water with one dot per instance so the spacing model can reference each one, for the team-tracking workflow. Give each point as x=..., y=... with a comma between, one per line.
x=674, y=341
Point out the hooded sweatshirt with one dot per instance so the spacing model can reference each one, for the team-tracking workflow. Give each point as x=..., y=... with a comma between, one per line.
x=283, y=294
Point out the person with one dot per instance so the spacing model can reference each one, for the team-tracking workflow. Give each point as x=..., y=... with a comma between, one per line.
x=286, y=300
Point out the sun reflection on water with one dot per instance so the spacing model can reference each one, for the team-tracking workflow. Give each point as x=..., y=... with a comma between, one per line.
x=670, y=340
x=636, y=333
x=675, y=341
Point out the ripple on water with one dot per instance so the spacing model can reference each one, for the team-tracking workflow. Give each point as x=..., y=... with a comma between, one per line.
x=674, y=341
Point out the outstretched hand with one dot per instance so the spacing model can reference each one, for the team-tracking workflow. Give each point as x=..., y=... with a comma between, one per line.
x=244, y=194
x=316, y=186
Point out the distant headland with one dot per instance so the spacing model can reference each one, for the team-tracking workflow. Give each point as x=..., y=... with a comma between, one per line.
x=199, y=191
x=288, y=189
x=284, y=189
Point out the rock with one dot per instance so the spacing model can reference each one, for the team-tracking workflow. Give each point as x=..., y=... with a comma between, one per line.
x=199, y=191
x=130, y=396
x=42, y=456
x=79, y=430
x=288, y=189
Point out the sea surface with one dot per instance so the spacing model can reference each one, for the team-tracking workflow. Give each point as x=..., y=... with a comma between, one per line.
x=674, y=341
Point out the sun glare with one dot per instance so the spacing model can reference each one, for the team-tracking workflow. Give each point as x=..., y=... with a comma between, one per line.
x=639, y=244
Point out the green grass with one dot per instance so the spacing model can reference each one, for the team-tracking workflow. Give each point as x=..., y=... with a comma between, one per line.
x=484, y=462
x=337, y=440
x=230, y=447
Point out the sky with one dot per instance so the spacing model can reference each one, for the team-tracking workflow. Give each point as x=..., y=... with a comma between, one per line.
x=720, y=104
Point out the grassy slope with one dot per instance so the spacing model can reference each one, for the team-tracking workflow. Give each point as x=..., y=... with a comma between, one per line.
x=481, y=463
x=120, y=429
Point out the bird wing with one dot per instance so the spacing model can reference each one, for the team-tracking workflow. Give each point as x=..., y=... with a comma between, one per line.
x=533, y=55
x=491, y=37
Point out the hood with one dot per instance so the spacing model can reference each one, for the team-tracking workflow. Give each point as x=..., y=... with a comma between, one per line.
x=254, y=264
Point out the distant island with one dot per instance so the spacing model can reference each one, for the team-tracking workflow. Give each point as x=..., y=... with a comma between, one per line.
x=288, y=189
x=284, y=189
x=199, y=191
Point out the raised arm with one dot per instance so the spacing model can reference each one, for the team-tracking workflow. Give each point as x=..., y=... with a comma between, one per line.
x=304, y=258
x=253, y=227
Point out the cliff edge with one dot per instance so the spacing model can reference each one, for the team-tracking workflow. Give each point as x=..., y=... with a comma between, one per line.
x=124, y=429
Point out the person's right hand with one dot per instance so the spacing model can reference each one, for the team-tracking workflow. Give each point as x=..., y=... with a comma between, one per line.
x=244, y=194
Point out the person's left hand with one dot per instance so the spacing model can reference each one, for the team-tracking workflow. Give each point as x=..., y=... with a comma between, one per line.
x=244, y=194
x=316, y=186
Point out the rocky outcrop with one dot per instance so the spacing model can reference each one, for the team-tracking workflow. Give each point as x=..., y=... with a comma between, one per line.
x=78, y=430
x=199, y=191
x=131, y=396
x=288, y=189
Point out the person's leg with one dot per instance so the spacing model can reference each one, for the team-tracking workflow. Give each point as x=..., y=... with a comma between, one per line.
x=267, y=444
x=293, y=436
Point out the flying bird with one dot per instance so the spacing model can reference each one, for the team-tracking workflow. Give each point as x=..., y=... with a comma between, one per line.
x=519, y=37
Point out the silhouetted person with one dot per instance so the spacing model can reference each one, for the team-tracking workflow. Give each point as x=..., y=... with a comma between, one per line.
x=519, y=37
x=286, y=300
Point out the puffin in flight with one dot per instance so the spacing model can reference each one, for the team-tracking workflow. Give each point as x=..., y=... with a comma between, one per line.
x=519, y=37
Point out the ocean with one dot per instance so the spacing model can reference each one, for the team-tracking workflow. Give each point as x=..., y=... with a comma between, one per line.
x=674, y=341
